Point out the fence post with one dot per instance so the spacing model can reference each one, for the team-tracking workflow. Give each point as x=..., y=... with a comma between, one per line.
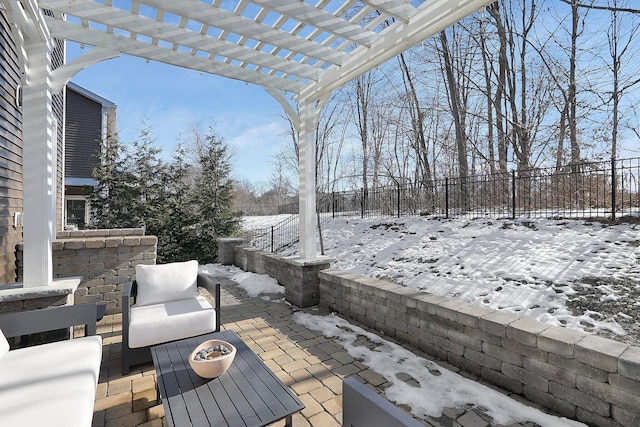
x=272, y=238
x=613, y=189
x=446, y=197
x=513, y=194
x=398, y=200
x=333, y=204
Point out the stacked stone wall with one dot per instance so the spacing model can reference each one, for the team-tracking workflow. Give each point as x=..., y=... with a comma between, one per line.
x=105, y=259
x=299, y=277
x=579, y=376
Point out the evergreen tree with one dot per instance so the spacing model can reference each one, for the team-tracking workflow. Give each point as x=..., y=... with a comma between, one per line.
x=174, y=239
x=149, y=184
x=113, y=200
x=212, y=198
x=186, y=206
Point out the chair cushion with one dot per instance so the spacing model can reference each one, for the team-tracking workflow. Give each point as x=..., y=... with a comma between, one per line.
x=166, y=282
x=50, y=384
x=4, y=345
x=160, y=323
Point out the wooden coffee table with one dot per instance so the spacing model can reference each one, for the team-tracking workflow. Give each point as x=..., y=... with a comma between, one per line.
x=248, y=394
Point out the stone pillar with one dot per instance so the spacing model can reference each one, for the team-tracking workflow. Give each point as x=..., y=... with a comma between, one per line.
x=227, y=250
x=299, y=277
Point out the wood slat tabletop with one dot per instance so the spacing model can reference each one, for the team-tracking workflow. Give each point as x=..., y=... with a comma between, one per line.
x=247, y=395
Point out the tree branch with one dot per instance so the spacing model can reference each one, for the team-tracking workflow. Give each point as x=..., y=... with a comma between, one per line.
x=609, y=8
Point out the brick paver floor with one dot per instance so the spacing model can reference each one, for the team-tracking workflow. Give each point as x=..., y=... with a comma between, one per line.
x=311, y=364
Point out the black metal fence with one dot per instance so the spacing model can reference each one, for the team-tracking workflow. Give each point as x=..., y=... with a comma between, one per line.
x=588, y=190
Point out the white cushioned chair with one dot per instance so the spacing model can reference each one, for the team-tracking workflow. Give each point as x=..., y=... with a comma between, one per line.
x=164, y=304
x=52, y=384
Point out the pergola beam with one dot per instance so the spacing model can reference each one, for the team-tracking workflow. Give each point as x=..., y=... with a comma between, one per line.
x=99, y=38
x=233, y=23
x=179, y=36
x=305, y=13
x=434, y=16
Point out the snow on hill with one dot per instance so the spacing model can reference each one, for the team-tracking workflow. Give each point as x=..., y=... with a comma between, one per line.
x=576, y=273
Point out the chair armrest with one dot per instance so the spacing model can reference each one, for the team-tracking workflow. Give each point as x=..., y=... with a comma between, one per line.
x=49, y=319
x=211, y=284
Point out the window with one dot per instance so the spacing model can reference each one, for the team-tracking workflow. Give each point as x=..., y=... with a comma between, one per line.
x=76, y=211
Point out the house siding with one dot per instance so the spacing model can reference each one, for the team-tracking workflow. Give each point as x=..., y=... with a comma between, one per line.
x=11, y=176
x=57, y=107
x=83, y=135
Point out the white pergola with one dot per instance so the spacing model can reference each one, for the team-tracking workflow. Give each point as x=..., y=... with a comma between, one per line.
x=297, y=50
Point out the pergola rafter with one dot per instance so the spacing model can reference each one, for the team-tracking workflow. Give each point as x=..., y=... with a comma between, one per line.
x=299, y=51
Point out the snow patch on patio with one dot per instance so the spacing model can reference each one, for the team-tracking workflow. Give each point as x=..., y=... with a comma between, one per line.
x=254, y=284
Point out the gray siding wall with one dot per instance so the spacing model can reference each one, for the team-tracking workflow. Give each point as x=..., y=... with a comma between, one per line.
x=11, y=181
x=83, y=134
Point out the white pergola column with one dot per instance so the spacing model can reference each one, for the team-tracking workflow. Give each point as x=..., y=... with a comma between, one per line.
x=38, y=163
x=307, y=179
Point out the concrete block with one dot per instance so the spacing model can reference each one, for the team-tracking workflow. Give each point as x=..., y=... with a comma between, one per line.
x=502, y=380
x=523, y=349
x=496, y=323
x=549, y=371
x=572, y=365
x=525, y=377
x=626, y=417
x=629, y=363
x=131, y=241
x=483, y=359
x=502, y=354
x=560, y=341
x=600, y=352
x=448, y=345
x=466, y=340
x=608, y=393
x=580, y=399
x=592, y=419
x=427, y=303
x=624, y=383
x=398, y=294
x=483, y=336
x=95, y=243
x=450, y=309
x=526, y=331
x=471, y=314
x=464, y=363
x=560, y=406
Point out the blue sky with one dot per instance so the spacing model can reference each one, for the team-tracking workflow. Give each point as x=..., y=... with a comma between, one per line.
x=170, y=100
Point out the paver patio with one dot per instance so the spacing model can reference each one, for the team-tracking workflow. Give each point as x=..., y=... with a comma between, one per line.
x=311, y=364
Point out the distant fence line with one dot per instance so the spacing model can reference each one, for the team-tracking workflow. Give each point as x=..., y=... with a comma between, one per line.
x=586, y=190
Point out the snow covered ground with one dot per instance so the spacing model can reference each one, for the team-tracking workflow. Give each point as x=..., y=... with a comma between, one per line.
x=579, y=274
x=575, y=273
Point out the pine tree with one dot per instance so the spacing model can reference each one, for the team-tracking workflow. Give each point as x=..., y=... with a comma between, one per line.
x=212, y=198
x=148, y=209
x=174, y=239
x=187, y=206
x=113, y=199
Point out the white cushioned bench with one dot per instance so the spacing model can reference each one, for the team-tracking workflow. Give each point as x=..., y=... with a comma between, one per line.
x=50, y=384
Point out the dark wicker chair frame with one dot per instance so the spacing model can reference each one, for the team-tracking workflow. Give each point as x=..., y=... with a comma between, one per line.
x=136, y=356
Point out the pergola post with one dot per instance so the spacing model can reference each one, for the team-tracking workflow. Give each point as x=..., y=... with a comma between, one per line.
x=38, y=162
x=307, y=179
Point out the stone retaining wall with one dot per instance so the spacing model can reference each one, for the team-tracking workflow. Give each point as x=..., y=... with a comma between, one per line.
x=299, y=277
x=105, y=259
x=579, y=376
